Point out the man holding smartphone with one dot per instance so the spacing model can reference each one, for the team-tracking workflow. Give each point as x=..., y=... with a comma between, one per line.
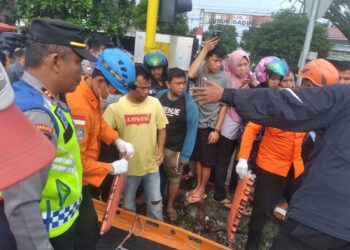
x=208, y=65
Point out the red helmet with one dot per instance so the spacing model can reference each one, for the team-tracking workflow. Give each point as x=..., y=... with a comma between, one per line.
x=320, y=72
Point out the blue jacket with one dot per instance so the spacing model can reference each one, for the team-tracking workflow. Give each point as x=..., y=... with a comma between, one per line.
x=192, y=117
x=323, y=201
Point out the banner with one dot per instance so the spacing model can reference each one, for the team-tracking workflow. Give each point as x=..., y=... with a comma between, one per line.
x=234, y=20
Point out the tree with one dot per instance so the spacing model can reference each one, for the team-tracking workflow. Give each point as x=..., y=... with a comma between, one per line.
x=228, y=37
x=284, y=38
x=180, y=27
x=338, y=13
x=7, y=6
x=75, y=11
x=110, y=16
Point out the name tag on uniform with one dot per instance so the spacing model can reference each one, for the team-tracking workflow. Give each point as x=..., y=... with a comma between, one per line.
x=62, y=118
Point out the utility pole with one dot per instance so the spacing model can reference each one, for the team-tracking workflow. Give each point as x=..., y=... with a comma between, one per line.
x=151, y=26
x=308, y=37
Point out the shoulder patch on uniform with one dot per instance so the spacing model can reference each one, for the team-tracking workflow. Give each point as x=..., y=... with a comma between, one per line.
x=78, y=120
x=46, y=129
x=80, y=132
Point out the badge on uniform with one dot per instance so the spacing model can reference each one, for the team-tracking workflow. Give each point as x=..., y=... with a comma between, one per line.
x=45, y=129
x=79, y=123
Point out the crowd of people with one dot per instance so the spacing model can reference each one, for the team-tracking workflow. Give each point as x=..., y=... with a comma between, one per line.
x=80, y=99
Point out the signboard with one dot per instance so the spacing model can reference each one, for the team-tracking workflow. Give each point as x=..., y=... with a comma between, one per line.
x=177, y=48
x=234, y=20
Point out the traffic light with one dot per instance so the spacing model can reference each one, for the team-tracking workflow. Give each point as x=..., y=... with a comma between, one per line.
x=169, y=8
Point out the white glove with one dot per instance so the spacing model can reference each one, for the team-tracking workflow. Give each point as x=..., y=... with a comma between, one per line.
x=125, y=148
x=120, y=167
x=242, y=168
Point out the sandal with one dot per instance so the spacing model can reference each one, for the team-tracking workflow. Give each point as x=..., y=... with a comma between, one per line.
x=280, y=211
x=194, y=199
x=225, y=202
x=172, y=215
x=189, y=193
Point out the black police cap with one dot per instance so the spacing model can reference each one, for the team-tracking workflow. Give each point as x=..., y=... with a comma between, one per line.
x=59, y=32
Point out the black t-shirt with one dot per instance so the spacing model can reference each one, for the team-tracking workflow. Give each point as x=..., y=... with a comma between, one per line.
x=175, y=111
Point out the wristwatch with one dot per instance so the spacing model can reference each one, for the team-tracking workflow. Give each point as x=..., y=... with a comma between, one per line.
x=217, y=130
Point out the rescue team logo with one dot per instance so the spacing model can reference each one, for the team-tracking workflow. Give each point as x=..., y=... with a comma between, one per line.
x=79, y=123
x=137, y=119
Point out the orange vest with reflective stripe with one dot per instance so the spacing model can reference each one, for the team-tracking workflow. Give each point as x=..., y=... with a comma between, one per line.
x=278, y=149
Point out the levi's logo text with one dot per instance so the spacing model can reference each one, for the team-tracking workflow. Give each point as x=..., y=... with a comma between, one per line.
x=137, y=119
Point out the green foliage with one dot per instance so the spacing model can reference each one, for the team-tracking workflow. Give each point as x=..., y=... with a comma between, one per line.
x=8, y=6
x=284, y=38
x=75, y=11
x=228, y=37
x=110, y=16
x=180, y=27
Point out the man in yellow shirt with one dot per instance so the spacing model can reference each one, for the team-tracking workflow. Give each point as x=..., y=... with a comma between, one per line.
x=140, y=120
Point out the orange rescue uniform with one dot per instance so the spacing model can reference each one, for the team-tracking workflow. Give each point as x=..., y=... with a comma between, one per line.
x=277, y=151
x=90, y=129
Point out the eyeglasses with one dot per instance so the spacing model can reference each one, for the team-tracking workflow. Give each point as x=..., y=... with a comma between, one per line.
x=144, y=88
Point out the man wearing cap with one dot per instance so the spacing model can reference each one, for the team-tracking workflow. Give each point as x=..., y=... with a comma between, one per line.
x=42, y=210
x=85, y=104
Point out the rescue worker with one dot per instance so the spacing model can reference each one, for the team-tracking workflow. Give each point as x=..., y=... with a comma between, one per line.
x=42, y=210
x=22, y=155
x=313, y=76
x=157, y=63
x=113, y=69
x=319, y=215
x=278, y=166
x=318, y=73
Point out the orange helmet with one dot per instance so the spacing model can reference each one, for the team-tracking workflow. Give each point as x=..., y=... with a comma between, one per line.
x=320, y=72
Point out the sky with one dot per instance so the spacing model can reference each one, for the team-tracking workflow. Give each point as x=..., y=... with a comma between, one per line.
x=243, y=7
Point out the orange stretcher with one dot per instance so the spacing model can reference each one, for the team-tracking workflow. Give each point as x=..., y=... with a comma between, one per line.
x=156, y=231
x=239, y=202
x=113, y=202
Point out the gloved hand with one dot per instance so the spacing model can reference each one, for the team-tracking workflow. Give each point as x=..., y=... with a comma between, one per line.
x=119, y=167
x=125, y=148
x=242, y=168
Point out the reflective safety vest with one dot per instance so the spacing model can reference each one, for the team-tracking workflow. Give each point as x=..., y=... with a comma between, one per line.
x=61, y=195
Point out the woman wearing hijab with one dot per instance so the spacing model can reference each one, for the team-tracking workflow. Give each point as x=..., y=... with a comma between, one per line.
x=237, y=67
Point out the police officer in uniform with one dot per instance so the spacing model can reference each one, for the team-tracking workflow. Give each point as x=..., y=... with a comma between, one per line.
x=42, y=209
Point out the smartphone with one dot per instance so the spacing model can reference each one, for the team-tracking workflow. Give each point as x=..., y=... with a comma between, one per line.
x=216, y=33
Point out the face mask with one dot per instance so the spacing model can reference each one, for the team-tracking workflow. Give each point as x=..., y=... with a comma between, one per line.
x=111, y=98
